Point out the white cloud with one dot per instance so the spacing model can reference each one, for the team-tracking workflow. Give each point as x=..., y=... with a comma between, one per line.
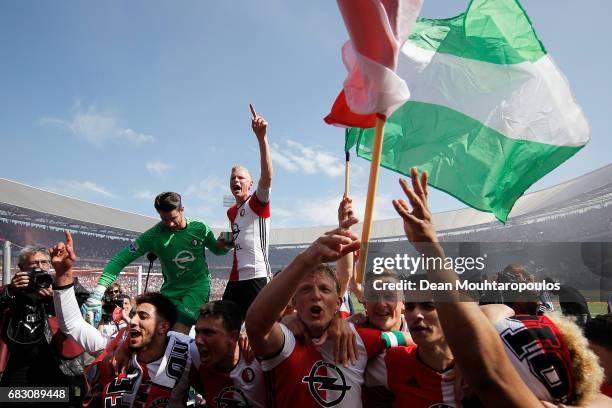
x=209, y=215
x=324, y=210
x=144, y=195
x=206, y=201
x=134, y=137
x=279, y=158
x=209, y=189
x=157, y=167
x=298, y=157
x=77, y=188
x=98, y=128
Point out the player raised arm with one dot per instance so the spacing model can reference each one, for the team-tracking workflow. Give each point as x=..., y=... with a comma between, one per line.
x=482, y=359
x=63, y=258
x=70, y=320
x=260, y=128
x=344, y=265
x=263, y=329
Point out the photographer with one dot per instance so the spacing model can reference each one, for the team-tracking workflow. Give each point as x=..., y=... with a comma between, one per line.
x=115, y=313
x=37, y=353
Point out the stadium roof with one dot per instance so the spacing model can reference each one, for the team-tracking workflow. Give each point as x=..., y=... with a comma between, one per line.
x=53, y=204
x=46, y=202
x=457, y=219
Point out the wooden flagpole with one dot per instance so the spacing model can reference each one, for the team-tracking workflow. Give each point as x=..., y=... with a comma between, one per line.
x=367, y=219
x=347, y=171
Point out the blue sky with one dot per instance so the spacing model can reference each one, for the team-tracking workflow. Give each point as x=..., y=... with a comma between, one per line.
x=113, y=102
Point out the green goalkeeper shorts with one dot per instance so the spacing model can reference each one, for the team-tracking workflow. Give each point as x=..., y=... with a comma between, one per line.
x=188, y=304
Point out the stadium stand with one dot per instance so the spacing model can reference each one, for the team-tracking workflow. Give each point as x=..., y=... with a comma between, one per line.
x=579, y=210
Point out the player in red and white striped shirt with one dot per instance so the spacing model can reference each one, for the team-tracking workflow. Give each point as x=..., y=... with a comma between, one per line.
x=420, y=375
x=224, y=375
x=300, y=374
x=476, y=345
x=384, y=311
x=249, y=219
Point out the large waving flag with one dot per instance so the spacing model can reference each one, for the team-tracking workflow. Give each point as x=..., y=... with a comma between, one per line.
x=377, y=29
x=490, y=113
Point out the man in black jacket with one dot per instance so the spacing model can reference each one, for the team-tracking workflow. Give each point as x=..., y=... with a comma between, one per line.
x=35, y=352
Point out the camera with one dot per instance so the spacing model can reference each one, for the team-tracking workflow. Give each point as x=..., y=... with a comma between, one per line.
x=109, y=304
x=38, y=280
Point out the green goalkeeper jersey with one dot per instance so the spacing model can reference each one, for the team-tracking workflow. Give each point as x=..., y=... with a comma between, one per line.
x=181, y=254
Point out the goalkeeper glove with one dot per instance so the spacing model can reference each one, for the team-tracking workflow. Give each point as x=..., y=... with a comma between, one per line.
x=94, y=303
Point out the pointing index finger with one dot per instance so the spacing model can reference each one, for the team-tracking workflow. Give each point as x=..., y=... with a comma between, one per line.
x=68, y=238
x=252, y=111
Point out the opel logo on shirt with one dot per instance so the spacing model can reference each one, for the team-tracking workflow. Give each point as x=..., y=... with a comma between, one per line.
x=326, y=384
x=232, y=397
x=183, y=259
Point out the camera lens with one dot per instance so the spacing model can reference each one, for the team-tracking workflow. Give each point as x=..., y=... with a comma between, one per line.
x=43, y=280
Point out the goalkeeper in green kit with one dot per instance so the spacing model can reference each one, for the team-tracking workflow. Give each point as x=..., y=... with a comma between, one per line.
x=179, y=244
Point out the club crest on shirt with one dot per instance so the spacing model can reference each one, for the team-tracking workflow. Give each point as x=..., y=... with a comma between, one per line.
x=194, y=242
x=242, y=211
x=248, y=375
x=326, y=384
x=232, y=397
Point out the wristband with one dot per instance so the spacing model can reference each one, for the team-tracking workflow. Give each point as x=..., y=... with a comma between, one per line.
x=393, y=339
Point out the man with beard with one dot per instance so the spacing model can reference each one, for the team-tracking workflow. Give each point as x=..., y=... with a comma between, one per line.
x=158, y=372
x=300, y=373
x=179, y=242
x=225, y=376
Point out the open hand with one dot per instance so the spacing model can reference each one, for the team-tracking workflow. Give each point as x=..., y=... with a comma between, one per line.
x=418, y=224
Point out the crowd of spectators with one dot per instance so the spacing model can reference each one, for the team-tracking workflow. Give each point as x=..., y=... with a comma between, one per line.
x=557, y=224
x=129, y=283
x=126, y=287
x=92, y=247
x=587, y=220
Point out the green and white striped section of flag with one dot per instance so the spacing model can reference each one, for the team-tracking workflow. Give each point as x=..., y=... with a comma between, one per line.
x=490, y=112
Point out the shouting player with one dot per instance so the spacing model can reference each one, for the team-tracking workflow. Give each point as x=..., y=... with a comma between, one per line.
x=158, y=373
x=225, y=377
x=249, y=219
x=301, y=373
